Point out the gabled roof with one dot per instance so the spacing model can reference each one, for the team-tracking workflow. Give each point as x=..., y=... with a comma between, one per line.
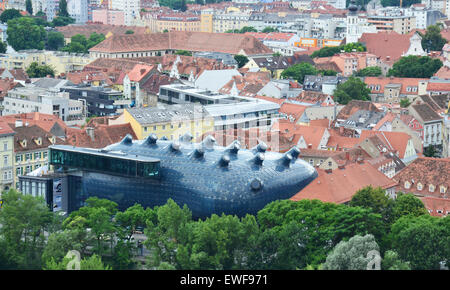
x=47, y=122
x=31, y=134
x=340, y=185
x=293, y=110
x=397, y=141
x=389, y=46
x=139, y=72
x=425, y=112
x=355, y=105
x=103, y=135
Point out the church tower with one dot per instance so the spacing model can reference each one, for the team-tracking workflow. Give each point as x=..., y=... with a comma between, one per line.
x=352, y=23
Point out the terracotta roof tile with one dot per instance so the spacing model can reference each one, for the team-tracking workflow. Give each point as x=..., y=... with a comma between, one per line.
x=233, y=43
x=340, y=185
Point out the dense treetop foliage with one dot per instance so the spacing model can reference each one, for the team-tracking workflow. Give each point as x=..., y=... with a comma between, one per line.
x=413, y=66
x=308, y=234
x=332, y=50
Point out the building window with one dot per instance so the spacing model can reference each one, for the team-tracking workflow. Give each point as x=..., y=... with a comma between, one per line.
x=431, y=188
x=5, y=146
x=407, y=184
x=5, y=160
x=419, y=186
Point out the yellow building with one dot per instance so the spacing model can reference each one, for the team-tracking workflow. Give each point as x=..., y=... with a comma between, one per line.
x=171, y=122
x=61, y=62
x=231, y=20
x=178, y=22
x=7, y=155
x=206, y=23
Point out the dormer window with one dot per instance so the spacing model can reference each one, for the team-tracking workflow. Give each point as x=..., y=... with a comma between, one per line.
x=419, y=186
x=442, y=189
x=407, y=185
x=24, y=143
x=431, y=188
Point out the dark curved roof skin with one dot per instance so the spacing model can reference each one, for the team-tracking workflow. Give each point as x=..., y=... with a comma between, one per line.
x=206, y=181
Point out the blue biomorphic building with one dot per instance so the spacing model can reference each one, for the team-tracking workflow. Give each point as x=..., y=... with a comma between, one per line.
x=206, y=177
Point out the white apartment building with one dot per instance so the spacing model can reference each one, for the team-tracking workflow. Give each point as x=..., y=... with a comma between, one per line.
x=16, y=4
x=78, y=10
x=35, y=99
x=131, y=9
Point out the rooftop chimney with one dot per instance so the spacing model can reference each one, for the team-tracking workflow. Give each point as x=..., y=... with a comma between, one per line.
x=90, y=132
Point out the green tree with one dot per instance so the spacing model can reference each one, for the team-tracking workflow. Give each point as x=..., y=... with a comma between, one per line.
x=433, y=40
x=352, y=89
x=23, y=33
x=375, y=199
x=55, y=40
x=92, y=263
x=3, y=47
x=269, y=29
x=424, y=241
x=219, y=242
x=170, y=230
x=276, y=54
x=408, y=204
x=241, y=60
x=248, y=29
x=327, y=72
x=299, y=71
x=430, y=151
x=39, y=71
x=24, y=220
x=371, y=71
x=392, y=261
x=41, y=14
x=62, y=10
x=9, y=14
x=405, y=3
x=183, y=52
x=353, y=254
x=414, y=66
x=183, y=6
x=316, y=228
x=129, y=32
x=29, y=7
x=330, y=51
x=404, y=103
x=62, y=21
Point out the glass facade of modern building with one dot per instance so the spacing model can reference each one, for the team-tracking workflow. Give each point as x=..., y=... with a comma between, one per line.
x=104, y=163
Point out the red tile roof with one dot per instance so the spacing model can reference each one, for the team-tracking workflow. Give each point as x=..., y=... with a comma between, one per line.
x=388, y=45
x=5, y=129
x=44, y=121
x=103, y=135
x=292, y=110
x=437, y=206
x=139, y=71
x=87, y=29
x=438, y=87
x=398, y=141
x=340, y=185
x=405, y=83
x=233, y=43
x=425, y=170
